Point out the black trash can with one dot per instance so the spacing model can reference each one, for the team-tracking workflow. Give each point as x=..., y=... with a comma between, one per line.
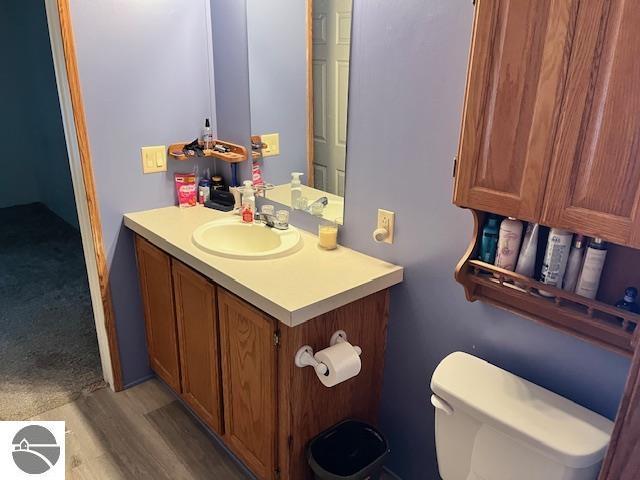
x=350, y=450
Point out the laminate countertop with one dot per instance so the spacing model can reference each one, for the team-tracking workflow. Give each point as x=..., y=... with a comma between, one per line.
x=293, y=288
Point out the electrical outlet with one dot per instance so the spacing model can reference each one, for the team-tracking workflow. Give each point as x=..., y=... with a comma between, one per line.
x=272, y=140
x=154, y=159
x=386, y=220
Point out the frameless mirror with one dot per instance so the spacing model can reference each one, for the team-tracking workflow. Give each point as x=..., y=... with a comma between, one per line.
x=299, y=81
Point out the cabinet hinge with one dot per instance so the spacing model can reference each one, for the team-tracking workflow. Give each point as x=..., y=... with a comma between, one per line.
x=455, y=166
x=276, y=338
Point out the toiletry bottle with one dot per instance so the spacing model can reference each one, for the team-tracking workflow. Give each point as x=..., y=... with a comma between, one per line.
x=204, y=190
x=207, y=135
x=296, y=189
x=508, y=243
x=589, y=278
x=629, y=301
x=574, y=264
x=527, y=260
x=248, y=202
x=555, y=260
x=489, y=240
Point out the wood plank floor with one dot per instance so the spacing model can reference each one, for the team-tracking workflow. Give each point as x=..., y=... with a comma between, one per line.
x=141, y=433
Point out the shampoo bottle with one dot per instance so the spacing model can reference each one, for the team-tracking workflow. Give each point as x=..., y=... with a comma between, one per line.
x=527, y=260
x=509, y=243
x=589, y=279
x=296, y=189
x=574, y=264
x=248, y=202
x=555, y=258
x=489, y=240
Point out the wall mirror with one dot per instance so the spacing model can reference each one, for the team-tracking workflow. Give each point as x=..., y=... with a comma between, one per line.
x=299, y=54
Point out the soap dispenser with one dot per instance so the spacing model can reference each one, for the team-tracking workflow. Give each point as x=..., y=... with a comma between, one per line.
x=296, y=189
x=248, y=202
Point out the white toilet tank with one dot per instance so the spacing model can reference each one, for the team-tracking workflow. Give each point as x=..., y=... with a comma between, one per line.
x=493, y=425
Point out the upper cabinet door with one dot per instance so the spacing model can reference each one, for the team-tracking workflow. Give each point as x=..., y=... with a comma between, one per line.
x=516, y=76
x=594, y=186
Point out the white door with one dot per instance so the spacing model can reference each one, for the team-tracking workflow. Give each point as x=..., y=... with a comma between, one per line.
x=331, y=46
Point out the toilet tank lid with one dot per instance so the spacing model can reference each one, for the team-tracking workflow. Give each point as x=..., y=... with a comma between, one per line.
x=573, y=435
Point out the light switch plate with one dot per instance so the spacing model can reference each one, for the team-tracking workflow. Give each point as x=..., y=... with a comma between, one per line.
x=386, y=220
x=154, y=159
x=272, y=140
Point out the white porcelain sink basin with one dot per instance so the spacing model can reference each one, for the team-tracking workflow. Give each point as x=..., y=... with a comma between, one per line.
x=229, y=237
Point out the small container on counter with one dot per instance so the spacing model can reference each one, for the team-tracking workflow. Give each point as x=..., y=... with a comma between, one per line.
x=217, y=183
x=328, y=235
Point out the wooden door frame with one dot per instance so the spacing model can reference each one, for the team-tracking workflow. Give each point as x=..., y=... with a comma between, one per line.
x=310, y=126
x=77, y=138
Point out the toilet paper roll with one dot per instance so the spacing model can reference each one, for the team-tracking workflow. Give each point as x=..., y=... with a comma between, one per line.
x=343, y=362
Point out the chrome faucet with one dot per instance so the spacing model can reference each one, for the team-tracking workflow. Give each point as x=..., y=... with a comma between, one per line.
x=271, y=221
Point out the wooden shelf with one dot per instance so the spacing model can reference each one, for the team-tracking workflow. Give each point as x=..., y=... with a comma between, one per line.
x=591, y=320
x=237, y=154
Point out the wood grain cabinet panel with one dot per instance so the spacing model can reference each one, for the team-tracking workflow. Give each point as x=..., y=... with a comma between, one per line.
x=594, y=186
x=249, y=372
x=196, y=313
x=519, y=54
x=154, y=267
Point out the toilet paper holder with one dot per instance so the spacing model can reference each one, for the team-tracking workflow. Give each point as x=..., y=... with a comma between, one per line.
x=305, y=357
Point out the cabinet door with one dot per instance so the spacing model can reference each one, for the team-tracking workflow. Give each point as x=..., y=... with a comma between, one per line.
x=518, y=62
x=249, y=379
x=154, y=268
x=594, y=186
x=197, y=317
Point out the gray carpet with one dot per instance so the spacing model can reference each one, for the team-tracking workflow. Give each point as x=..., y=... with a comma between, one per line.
x=48, y=345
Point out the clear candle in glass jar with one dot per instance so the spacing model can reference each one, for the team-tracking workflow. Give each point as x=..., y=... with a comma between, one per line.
x=328, y=235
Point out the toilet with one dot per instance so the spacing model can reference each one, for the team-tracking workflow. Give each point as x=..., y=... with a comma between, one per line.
x=493, y=425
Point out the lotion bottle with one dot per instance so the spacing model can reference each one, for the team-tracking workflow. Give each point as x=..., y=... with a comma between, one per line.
x=296, y=189
x=555, y=258
x=589, y=279
x=527, y=260
x=574, y=264
x=248, y=202
x=509, y=243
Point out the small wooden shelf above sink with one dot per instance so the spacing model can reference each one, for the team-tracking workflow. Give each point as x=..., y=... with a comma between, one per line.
x=237, y=153
x=592, y=320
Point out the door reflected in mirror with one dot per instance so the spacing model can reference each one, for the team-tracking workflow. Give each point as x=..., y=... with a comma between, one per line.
x=299, y=53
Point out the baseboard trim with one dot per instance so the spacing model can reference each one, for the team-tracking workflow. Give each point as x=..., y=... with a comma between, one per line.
x=140, y=380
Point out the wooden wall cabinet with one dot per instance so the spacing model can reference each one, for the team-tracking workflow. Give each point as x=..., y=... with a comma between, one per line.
x=551, y=134
x=156, y=286
x=233, y=365
x=197, y=319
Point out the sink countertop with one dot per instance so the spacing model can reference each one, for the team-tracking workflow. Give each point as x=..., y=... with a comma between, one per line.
x=293, y=289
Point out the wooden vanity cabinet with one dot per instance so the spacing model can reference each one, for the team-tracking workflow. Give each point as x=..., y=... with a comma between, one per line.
x=233, y=364
x=197, y=320
x=156, y=288
x=249, y=361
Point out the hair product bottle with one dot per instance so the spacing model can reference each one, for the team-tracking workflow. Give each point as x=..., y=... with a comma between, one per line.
x=509, y=243
x=555, y=258
x=574, y=264
x=527, y=260
x=589, y=279
x=489, y=241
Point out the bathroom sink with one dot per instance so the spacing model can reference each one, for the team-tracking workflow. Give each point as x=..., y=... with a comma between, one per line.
x=231, y=238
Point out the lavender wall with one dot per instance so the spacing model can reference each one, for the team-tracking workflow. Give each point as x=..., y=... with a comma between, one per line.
x=408, y=73
x=144, y=71
x=277, y=39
